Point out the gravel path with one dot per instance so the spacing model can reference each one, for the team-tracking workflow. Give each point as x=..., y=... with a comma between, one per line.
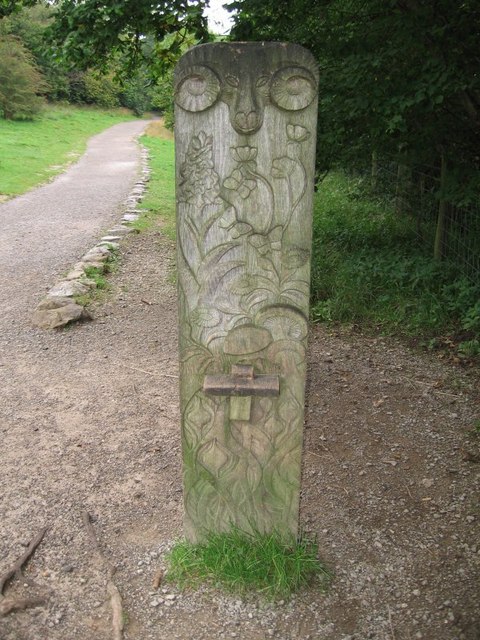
x=89, y=421
x=44, y=231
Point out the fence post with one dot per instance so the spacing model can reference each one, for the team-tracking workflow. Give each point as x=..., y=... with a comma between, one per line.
x=438, y=252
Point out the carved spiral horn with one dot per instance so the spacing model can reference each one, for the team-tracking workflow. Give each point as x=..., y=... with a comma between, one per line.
x=198, y=89
x=293, y=88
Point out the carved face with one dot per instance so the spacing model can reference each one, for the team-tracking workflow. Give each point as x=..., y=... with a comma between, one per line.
x=246, y=83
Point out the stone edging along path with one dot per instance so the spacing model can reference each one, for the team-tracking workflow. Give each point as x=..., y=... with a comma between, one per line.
x=59, y=307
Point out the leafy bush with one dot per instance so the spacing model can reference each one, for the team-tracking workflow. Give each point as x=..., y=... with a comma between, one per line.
x=136, y=93
x=368, y=269
x=21, y=83
x=162, y=98
x=101, y=89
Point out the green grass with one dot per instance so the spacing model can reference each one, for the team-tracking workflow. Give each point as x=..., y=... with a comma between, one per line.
x=245, y=563
x=368, y=270
x=33, y=151
x=160, y=196
x=98, y=275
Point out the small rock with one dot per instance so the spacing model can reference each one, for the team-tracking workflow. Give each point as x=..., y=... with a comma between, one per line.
x=75, y=274
x=53, y=312
x=67, y=568
x=109, y=243
x=68, y=289
x=427, y=482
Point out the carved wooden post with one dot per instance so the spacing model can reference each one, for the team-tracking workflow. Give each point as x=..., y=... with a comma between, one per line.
x=245, y=126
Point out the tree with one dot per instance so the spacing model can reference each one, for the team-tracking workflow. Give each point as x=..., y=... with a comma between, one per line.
x=7, y=7
x=29, y=25
x=397, y=76
x=20, y=80
x=92, y=32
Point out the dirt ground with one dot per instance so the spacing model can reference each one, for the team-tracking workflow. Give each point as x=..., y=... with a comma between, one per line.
x=90, y=421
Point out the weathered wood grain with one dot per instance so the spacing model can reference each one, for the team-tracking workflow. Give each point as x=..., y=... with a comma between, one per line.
x=245, y=142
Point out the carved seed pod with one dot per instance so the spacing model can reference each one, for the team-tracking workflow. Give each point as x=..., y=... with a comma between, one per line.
x=198, y=89
x=292, y=88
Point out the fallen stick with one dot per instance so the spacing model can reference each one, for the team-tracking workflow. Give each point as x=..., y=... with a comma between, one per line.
x=157, y=579
x=112, y=590
x=150, y=373
x=17, y=566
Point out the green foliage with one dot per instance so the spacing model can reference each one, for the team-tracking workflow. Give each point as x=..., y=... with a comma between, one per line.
x=396, y=76
x=29, y=25
x=97, y=275
x=8, y=7
x=242, y=563
x=470, y=348
x=91, y=33
x=162, y=94
x=31, y=152
x=136, y=92
x=475, y=432
x=101, y=89
x=20, y=80
x=368, y=269
x=162, y=98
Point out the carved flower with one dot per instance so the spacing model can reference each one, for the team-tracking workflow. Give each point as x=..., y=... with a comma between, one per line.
x=246, y=339
x=297, y=133
x=240, y=183
x=229, y=222
x=244, y=284
x=283, y=167
x=205, y=317
x=244, y=154
x=199, y=183
x=283, y=322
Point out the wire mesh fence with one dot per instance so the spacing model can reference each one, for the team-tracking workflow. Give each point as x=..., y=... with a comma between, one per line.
x=449, y=231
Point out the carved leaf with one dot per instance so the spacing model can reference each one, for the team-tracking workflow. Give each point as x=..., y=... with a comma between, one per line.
x=283, y=167
x=199, y=416
x=297, y=133
x=295, y=257
x=215, y=457
x=244, y=154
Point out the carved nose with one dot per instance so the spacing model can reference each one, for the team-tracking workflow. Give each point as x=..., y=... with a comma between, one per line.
x=247, y=122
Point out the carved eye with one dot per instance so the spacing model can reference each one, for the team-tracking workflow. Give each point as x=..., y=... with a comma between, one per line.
x=198, y=89
x=262, y=81
x=232, y=80
x=293, y=88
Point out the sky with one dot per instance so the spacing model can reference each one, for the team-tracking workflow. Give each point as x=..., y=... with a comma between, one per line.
x=219, y=20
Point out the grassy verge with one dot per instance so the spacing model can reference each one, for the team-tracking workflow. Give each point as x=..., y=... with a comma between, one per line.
x=243, y=563
x=160, y=197
x=32, y=151
x=98, y=276
x=369, y=270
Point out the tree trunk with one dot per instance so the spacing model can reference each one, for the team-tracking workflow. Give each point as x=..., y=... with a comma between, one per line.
x=374, y=172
